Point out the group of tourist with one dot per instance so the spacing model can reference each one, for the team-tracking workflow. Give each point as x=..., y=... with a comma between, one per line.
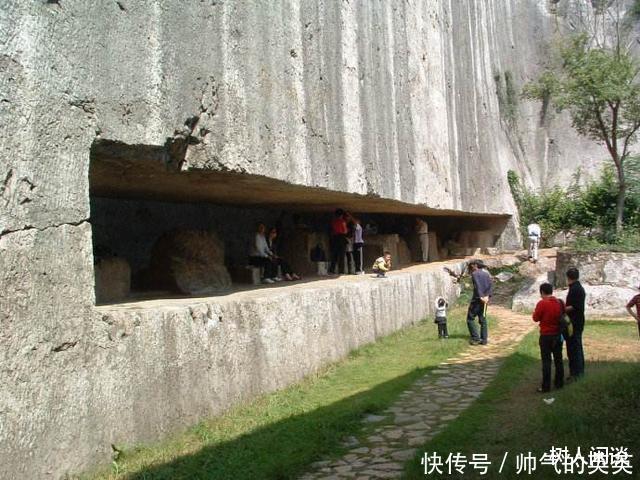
x=561, y=322
x=264, y=255
x=556, y=329
x=346, y=244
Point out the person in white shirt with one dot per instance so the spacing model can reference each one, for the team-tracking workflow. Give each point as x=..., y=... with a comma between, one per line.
x=441, y=317
x=422, y=229
x=534, y=232
x=261, y=255
x=358, y=246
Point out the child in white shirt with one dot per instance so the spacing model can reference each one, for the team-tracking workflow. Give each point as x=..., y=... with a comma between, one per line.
x=441, y=317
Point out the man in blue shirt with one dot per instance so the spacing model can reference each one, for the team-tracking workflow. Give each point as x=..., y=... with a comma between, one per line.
x=482, y=291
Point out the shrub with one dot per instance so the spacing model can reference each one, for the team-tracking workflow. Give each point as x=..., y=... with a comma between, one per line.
x=588, y=211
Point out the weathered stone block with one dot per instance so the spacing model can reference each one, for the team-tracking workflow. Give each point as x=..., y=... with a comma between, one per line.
x=601, y=268
x=190, y=262
x=113, y=279
x=434, y=254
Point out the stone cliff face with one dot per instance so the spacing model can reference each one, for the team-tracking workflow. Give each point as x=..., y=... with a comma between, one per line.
x=405, y=100
x=413, y=101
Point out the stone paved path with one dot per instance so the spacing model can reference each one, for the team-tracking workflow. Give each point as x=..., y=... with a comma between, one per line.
x=427, y=407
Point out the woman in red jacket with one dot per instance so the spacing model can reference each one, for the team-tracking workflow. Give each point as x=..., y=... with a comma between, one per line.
x=547, y=313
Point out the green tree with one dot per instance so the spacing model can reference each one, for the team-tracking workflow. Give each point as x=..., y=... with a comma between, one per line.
x=598, y=86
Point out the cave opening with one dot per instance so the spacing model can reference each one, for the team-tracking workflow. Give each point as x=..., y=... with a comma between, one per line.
x=160, y=231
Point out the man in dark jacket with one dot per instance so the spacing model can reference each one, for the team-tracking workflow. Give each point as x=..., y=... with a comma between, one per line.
x=575, y=311
x=482, y=291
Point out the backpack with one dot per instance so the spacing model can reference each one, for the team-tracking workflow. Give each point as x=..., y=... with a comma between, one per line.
x=566, y=327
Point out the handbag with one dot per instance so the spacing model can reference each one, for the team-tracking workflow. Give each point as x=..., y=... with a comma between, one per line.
x=566, y=326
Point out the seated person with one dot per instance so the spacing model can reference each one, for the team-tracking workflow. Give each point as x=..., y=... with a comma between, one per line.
x=382, y=265
x=278, y=261
x=261, y=255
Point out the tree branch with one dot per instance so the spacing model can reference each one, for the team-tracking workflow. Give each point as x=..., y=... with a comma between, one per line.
x=605, y=135
x=627, y=139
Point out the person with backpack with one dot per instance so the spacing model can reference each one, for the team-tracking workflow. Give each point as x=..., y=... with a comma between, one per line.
x=548, y=314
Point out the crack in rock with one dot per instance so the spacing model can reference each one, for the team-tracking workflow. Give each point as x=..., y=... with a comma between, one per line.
x=26, y=228
x=65, y=346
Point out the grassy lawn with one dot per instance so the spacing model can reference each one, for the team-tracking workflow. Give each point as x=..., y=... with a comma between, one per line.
x=280, y=434
x=602, y=410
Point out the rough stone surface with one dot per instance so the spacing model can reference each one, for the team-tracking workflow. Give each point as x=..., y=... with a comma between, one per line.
x=403, y=95
x=601, y=300
x=113, y=279
x=388, y=102
x=504, y=276
x=604, y=268
x=190, y=262
x=134, y=362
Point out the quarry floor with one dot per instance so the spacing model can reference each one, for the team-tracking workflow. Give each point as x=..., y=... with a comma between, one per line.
x=241, y=292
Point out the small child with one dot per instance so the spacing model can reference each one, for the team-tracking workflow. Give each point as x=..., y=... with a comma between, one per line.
x=441, y=317
x=382, y=265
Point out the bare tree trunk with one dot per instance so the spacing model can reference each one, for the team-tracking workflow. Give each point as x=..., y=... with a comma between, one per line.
x=622, y=190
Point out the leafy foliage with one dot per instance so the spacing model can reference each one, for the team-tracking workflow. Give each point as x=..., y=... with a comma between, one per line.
x=588, y=212
x=550, y=209
x=599, y=88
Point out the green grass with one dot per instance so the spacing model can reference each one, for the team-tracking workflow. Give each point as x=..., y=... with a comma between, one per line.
x=600, y=410
x=280, y=434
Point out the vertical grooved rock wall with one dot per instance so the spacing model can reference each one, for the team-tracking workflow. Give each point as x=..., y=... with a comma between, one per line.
x=393, y=99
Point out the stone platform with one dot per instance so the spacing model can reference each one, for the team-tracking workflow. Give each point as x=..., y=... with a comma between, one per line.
x=165, y=364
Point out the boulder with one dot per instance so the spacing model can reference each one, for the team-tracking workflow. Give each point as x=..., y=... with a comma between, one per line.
x=542, y=266
x=527, y=297
x=601, y=301
x=504, y=276
x=607, y=300
x=601, y=268
x=113, y=279
x=404, y=254
x=189, y=262
x=502, y=261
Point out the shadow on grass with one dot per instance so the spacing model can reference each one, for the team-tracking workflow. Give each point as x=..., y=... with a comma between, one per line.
x=286, y=448
x=509, y=416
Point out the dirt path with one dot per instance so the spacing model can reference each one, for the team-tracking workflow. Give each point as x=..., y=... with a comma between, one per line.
x=427, y=407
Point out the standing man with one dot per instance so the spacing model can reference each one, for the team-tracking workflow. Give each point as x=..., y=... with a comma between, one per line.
x=575, y=310
x=547, y=314
x=338, y=242
x=482, y=291
x=635, y=301
x=534, y=233
x=422, y=228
